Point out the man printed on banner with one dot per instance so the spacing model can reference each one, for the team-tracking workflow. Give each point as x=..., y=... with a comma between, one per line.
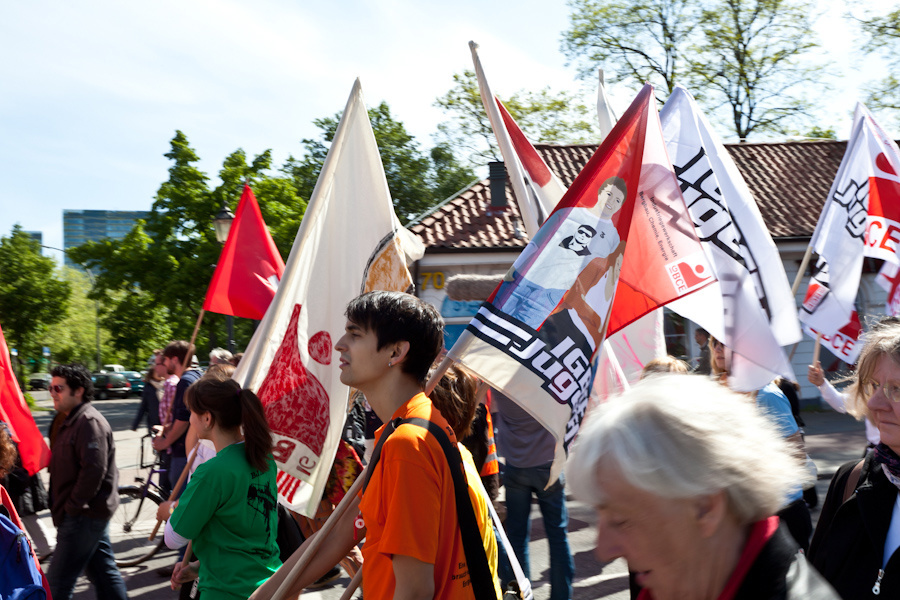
x=569, y=242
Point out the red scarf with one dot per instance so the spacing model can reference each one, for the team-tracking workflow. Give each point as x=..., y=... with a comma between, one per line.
x=760, y=532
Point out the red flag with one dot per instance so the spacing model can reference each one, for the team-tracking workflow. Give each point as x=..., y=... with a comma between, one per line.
x=15, y=413
x=249, y=268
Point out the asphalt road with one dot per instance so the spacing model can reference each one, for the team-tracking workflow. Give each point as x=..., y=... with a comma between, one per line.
x=831, y=439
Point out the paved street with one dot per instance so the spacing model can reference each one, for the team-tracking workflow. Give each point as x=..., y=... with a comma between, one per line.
x=832, y=439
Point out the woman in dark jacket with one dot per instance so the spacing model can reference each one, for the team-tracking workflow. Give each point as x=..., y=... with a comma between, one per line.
x=150, y=397
x=859, y=529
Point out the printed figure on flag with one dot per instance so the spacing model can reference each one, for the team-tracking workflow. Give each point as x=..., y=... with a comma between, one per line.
x=536, y=337
x=570, y=242
x=861, y=218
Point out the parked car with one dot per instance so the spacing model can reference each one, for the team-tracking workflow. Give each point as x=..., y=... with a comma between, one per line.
x=136, y=380
x=110, y=384
x=39, y=381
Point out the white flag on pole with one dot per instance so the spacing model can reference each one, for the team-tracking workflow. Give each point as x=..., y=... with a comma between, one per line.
x=757, y=313
x=347, y=244
x=605, y=115
x=861, y=218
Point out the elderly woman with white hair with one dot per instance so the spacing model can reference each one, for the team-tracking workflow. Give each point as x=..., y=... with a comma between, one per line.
x=686, y=477
x=858, y=533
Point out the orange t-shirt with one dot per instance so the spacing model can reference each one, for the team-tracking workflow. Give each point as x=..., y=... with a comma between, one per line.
x=409, y=508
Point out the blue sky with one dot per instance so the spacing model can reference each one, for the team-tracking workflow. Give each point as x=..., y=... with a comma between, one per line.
x=93, y=91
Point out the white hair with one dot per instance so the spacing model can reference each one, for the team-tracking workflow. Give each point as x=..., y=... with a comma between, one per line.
x=683, y=436
x=220, y=356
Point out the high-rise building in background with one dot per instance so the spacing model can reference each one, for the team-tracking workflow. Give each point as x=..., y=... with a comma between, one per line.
x=37, y=236
x=80, y=226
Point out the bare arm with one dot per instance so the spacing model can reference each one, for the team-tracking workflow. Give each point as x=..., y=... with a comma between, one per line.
x=335, y=547
x=414, y=578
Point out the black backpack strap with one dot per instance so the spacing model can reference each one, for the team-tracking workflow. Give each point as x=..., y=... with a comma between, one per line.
x=389, y=428
x=476, y=558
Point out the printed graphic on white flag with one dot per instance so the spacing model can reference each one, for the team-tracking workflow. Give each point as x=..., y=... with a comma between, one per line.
x=755, y=314
x=347, y=244
x=861, y=217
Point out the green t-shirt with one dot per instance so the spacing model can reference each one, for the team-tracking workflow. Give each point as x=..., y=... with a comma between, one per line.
x=229, y=511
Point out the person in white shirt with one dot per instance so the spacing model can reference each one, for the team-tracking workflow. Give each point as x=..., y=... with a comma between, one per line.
x=838, y=400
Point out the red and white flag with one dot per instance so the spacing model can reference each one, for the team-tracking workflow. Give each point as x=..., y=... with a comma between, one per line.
x=15, y=413
x=536, y=336
x=888, y=279
x=536, y=187
x=538, y=191
x=347, y=244
x=861, y=218
x=249, y=267
x=751, y=308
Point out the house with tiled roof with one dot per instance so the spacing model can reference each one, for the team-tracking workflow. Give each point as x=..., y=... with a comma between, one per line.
x=476, y=232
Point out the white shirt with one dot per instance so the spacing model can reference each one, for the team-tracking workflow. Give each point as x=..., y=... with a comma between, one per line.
x=837, y=400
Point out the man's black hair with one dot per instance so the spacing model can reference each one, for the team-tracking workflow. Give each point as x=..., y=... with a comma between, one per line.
x=396, y=317
x=76, y=376
x=590, y=229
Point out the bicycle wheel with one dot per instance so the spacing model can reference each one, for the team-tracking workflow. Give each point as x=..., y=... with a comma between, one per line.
x=131, y=524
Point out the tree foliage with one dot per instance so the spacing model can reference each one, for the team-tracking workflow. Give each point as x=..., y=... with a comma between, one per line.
x=635, y=41
x=416, y=180
x=745, y=57
x=544, y=116
x=32, y=295
x=882, y=36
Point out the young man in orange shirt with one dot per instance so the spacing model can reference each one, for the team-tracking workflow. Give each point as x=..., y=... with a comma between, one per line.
x=407, y=513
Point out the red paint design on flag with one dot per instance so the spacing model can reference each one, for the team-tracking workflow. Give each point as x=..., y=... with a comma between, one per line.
x=882, y=162
x=296, y=403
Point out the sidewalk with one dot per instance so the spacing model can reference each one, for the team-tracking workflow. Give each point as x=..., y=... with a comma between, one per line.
x=831, y=440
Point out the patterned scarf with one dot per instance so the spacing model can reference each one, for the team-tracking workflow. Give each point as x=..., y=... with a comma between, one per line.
x=890, y=463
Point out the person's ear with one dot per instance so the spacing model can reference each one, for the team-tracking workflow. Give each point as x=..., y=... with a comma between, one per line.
x=398, y=352
x=710, y=510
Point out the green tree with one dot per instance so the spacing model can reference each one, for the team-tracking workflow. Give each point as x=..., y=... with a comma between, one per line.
x=153, y=281
x=415, y=179
x=543, y=116
x=746, y=57
x=882, y=37
x=749, y=61
x=32, y=295
x=635, y=41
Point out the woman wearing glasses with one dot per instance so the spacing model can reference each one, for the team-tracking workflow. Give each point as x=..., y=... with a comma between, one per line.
x=859, y=529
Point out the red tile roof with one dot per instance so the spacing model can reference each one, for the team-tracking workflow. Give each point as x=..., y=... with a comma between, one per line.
x=789, y=180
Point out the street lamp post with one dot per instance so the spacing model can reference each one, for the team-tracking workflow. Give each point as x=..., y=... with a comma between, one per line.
x=222, y=223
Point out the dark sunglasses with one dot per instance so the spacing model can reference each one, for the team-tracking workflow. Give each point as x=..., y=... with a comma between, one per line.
x=57, y=388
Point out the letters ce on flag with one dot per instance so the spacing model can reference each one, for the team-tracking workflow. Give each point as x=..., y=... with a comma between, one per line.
x=535, y=337
x=861, y=218
x=347, y=244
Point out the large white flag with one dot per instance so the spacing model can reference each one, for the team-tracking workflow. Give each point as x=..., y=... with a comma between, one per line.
x=347, y=244
x=757, y=314
x=861, y=218
x=605, y=115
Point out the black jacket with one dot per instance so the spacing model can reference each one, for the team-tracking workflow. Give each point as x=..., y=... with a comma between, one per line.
x=781, y=572
x=848, y=543
x=83, y=475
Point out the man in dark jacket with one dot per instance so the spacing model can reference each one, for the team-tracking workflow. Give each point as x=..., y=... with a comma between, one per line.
x=84, y=485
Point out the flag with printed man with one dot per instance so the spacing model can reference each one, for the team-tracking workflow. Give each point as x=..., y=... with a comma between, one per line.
x=861, y=218
x=349, y=242
x=536, y=336
x=751, y=308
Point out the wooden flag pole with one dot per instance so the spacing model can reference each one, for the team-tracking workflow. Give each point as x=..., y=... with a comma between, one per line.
x=319, y=538
x=352, y=586
x=817, y=349
x=177, y=488
x=803, y=264
x=438, y=373
x=186, y=362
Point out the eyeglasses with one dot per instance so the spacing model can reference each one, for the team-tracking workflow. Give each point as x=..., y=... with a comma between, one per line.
x=57, y=388
x=891, y=390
